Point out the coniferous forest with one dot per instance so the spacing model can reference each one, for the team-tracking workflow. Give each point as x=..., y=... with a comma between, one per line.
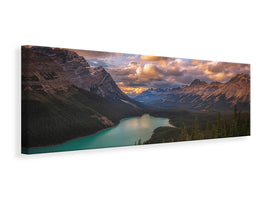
x=237, y=124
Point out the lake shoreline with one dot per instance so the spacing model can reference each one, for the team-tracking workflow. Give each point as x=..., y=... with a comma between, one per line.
x=115, y=124
x=24, y=150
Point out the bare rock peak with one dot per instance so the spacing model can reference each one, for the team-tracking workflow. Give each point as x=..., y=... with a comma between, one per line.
x=198, y=82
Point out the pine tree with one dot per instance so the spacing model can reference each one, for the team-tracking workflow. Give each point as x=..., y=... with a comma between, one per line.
x=214, y=131
x=235, y=128
x=248, y=125
x=139, y=142
x=231, y=130
x=196, y=125
x=224, y=130
x=245, y=126
x=234, y=123
x=197, y=135
x=235, y=113
x=183, y=135
x=208, y=133
x=219, y=125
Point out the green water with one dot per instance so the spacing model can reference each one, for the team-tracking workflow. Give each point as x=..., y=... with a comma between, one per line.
x=126, y=133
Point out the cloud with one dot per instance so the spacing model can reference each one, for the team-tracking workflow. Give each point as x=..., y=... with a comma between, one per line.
x=132, y=57
x=131, y=90
x=152, y=58
x=135, y=73
x=175, y=73
x=223, y=71
x=162, y=61
x=149, y=72
x=195, y=62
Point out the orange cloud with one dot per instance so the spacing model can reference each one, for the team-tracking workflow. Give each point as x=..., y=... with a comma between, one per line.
x=207, y=72
x=222, y=76
x=160, y=72
x=163, y=61
x=131, y=57
x=131, y=90
x=147, y=72
x=152, y=58
x=222, y=71
x=195, y=62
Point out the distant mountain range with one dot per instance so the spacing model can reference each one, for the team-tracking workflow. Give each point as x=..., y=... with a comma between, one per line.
x=63, y=97
x=200, y=95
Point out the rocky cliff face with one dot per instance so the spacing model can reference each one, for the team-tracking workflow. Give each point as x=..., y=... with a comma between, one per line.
x=41, y=73
x=98, y=81
x=202, y=96
x=54, y=70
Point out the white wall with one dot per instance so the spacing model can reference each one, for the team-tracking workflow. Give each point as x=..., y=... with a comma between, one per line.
x=214, y=169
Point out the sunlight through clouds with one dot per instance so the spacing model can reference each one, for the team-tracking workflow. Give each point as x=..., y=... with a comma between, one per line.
x=135, y=73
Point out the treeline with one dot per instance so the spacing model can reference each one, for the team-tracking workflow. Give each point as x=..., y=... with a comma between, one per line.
x=239, y=125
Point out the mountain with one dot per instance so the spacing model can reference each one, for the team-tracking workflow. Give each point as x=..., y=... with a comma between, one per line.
x=198, y=84
x=75, y=69
x=200, y=95
x=63, y=97
x=151, y=95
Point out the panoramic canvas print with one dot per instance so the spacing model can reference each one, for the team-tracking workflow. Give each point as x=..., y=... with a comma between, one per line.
x=78, y=99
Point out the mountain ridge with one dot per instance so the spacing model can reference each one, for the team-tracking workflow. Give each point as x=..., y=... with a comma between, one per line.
x=75, y=69
x=203, y=96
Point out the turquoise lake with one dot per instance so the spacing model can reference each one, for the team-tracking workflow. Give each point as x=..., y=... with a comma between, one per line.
x=126, y=133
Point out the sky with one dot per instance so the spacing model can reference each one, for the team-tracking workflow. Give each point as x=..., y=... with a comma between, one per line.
x=135, y=73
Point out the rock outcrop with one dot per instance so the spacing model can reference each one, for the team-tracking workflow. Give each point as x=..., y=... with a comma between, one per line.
x=54, y=69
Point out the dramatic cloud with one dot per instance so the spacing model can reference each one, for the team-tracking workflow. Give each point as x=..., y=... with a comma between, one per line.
x=131, y=90
x=223, y=71
x=150, y=73
x=137, y=77
x=136, y=73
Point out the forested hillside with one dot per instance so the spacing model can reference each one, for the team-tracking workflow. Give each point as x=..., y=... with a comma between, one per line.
x=238, y=124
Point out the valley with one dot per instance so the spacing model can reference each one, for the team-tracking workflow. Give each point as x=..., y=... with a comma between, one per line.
x=65, y=98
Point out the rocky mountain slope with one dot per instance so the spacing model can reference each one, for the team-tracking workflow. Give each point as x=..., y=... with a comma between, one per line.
x=202, y=96
x=44, y=62
x=64, y=98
